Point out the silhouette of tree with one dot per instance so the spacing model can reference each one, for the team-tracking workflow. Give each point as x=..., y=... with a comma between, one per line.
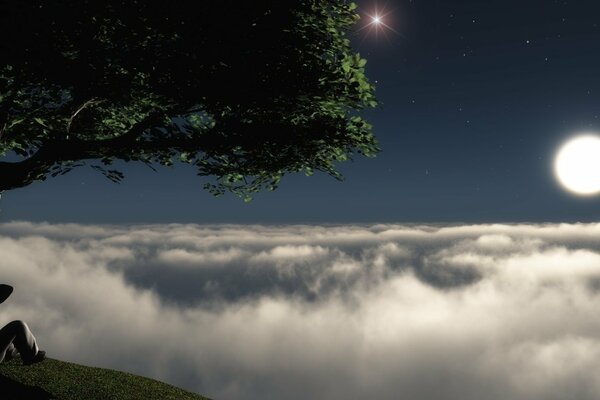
x=245, y=91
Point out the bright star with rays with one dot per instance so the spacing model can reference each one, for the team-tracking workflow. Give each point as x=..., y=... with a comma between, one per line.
x=378, y=21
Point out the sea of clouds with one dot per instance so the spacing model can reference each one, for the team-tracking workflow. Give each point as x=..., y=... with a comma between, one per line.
x=318, y=312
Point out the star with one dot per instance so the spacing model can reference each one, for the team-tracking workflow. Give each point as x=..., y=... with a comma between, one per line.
x=378, y=21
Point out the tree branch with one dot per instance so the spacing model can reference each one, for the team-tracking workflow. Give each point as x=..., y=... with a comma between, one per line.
x=22, y=173
x=83, y=106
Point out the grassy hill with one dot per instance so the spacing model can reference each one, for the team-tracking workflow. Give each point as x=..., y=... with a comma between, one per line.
x=53, y=379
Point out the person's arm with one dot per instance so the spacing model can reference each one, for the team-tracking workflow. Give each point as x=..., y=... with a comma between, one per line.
x=5, y=291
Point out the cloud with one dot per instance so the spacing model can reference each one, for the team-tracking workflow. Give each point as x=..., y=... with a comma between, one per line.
x=185, y=258
x=324, y=312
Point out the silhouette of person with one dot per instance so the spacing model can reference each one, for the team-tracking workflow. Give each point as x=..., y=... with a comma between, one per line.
x=16, y=338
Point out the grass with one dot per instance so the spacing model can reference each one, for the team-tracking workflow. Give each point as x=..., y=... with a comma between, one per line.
x=53, y=379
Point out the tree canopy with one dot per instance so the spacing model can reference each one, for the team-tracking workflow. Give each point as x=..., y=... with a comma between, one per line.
x=244, y=91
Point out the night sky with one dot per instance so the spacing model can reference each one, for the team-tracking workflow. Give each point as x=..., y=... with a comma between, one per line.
x=448, y=267
x=476, y=97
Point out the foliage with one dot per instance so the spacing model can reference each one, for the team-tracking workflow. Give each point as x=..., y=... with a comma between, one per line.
x=244, y=91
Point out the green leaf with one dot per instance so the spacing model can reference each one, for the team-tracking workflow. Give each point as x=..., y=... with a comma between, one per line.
x=40, y=121
x=15, y=121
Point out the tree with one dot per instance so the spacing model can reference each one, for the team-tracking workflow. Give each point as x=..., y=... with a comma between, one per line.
x=245, y=91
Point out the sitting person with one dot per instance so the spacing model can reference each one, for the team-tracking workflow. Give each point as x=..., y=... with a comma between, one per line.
x=16, y=338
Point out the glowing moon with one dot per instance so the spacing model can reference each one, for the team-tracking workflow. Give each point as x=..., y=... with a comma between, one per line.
x=376, y=19
x=577, y=165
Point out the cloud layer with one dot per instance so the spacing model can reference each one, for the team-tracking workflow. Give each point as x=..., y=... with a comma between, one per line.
x=321, y=312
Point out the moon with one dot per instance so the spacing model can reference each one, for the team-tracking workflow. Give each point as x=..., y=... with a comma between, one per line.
x=577, y=165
